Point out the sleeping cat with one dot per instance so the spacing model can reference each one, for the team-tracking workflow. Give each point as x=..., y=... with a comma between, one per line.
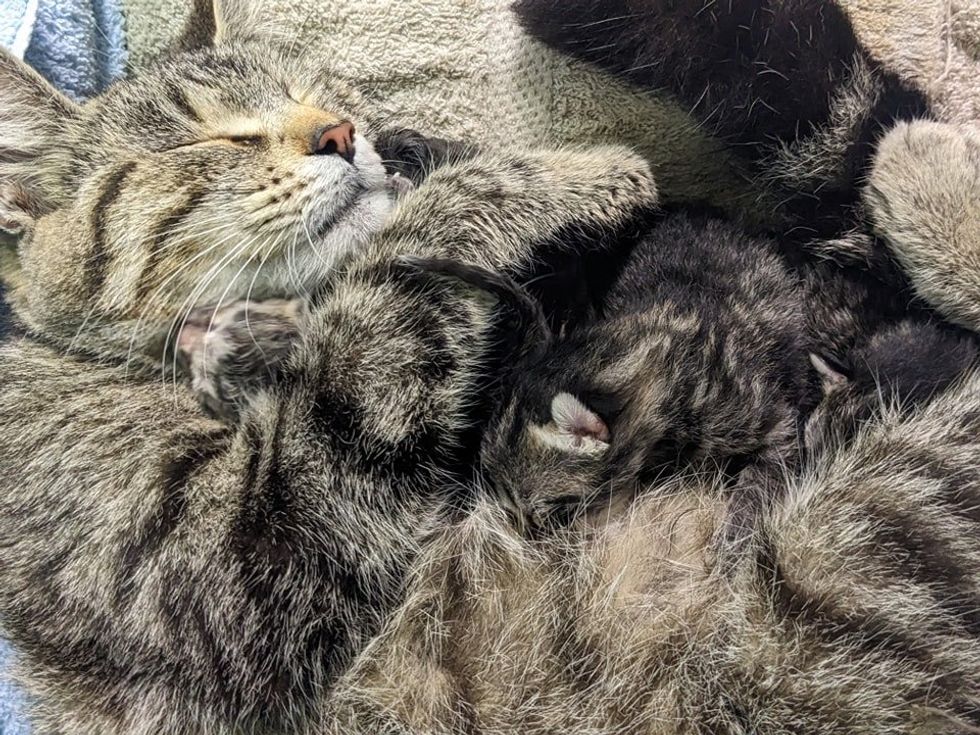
x=162, y=572
x=230, y=171
x=700, y=355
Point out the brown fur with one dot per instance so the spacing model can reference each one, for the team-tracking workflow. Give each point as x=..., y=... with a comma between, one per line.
x=853, y=611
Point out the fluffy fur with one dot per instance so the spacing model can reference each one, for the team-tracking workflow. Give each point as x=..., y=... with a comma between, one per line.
x=163, y=573
x=922, y=197
x=700, y=356
x=786, y=84
x=854, y=610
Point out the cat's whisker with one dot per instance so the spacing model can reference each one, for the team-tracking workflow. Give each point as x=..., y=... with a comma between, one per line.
x=224, y=294
x=291, y=269
x=158, y=291
x=248, y=298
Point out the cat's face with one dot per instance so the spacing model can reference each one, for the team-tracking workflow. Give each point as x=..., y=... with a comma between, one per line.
x=235, y=170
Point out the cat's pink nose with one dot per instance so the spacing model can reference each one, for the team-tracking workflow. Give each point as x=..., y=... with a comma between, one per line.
x=335, y=140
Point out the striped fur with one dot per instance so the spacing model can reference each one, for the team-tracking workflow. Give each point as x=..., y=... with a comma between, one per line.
x=193, y=183
x=163, y=573
x=854, y=609
x=700, y=356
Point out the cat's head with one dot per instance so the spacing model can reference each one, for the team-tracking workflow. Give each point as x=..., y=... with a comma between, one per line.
x=238, y=168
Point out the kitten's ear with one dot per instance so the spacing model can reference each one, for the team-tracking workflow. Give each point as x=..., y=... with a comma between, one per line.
x=574, y=427
x=32, y=117
x=832, y=377
x=213, y=22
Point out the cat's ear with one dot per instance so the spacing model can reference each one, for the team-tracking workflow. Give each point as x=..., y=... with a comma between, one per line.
x=574, y=427
x=214, y=22
x=833, y=376
x=33, y=115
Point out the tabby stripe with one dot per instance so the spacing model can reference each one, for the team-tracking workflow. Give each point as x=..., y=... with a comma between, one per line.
x=169, y=513
x=176, y=96
x=97, y=266
x=158, y=242
x=868, y=631
x=930, y=562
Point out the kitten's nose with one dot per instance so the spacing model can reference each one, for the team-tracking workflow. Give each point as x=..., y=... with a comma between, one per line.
x=335, y=140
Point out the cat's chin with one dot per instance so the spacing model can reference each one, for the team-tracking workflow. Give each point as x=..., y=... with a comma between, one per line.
x=313, y=265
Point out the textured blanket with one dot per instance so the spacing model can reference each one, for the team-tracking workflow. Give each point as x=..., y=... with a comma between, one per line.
x=461, y=68
x=77, y=44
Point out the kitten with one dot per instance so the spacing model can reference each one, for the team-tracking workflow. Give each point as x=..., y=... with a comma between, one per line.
x=700, y=356
x=901, y=368
x=231, y=171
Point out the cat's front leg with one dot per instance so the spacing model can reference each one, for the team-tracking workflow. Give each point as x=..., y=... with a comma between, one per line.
x=504, y=213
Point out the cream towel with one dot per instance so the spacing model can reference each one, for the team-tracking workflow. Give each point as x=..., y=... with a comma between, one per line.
x=935, y=44
x=463, y=69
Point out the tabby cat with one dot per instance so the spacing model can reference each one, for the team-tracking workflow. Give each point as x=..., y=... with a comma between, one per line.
x=162, y=572
x=701, y=355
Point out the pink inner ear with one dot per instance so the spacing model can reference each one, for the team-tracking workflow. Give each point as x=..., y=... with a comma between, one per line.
x=592, y=426
x=191, y=339
x=574, y=417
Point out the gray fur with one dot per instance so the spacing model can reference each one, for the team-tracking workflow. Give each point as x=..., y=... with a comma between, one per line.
x=923, y=196
x=853, y=609
x=162, y=572
x=700, y=356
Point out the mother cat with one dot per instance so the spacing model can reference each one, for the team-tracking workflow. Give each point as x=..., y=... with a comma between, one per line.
x=160, y=572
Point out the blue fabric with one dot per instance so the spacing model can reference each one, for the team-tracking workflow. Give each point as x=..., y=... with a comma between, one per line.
x=16, y=24
x=12, y=721
x=79, y=45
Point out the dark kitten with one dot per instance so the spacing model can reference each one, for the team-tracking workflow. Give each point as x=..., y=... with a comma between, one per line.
x=701, y=355
x=906, y=365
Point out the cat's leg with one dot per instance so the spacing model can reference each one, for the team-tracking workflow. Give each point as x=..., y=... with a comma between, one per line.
x=922, y=197
x=162, y=572
x=786, y=84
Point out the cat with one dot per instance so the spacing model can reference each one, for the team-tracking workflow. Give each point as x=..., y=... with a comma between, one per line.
x=851, y=609
x=165, y=572
x=700, y=354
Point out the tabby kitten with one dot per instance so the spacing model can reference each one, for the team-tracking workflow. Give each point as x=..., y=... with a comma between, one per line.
x=700, y=355
x=240, y=169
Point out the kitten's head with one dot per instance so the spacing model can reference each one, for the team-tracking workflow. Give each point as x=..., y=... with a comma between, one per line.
x=236, y=168
x=905, y=366
x=546, y=458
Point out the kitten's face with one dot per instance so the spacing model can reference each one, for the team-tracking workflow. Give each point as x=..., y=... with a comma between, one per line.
x=236, y=170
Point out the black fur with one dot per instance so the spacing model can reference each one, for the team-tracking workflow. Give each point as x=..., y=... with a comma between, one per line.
x=770, y=78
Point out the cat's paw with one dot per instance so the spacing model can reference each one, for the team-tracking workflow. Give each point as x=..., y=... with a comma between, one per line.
x=231, y=352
